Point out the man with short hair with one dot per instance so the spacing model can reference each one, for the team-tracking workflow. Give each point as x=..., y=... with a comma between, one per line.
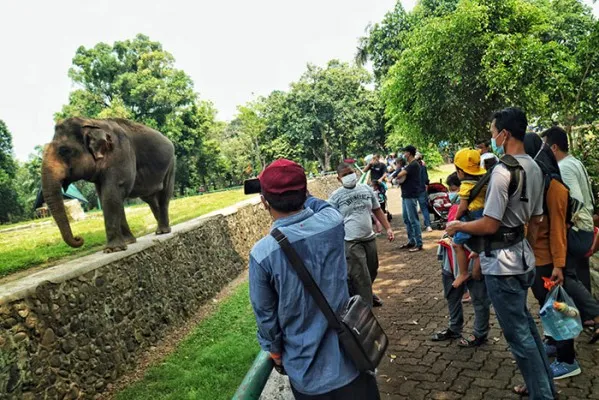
x=508, y=262
x=575, y=176
x=423, y=195
x=378, y=169
x=357, y=202
x=410, y=191
x=291, y=326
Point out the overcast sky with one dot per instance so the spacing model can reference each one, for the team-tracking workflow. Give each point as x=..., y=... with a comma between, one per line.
x=233, y=50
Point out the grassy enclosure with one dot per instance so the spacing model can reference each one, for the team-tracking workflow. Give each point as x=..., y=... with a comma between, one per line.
x=211, y=362
x=41, y=244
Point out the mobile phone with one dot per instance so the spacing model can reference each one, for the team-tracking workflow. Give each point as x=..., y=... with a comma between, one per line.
x=251, y=186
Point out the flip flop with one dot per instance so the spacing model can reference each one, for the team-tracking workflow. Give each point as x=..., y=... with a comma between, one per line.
x=520, y=390
x=595, y=335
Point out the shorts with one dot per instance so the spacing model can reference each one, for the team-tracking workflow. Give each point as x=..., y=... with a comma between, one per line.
x=461, y=237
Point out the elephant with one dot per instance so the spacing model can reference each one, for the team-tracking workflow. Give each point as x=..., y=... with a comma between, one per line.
x=123, y=159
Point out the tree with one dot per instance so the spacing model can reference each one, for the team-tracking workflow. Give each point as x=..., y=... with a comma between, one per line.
x=329, y=113
x=136, y=79
x=11, y=208
x=385, y=41
x=459, y=67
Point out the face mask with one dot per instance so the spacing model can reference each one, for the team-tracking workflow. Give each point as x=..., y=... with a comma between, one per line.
x=499, y=150
x=453, y=196
x=349, y=181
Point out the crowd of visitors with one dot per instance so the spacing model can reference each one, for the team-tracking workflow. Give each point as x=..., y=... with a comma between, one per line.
x=523, y=218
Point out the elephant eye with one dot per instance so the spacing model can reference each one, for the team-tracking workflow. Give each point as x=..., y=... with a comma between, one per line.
x=65, y=152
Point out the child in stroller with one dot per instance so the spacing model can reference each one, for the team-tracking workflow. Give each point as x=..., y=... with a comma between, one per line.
x=439, y=204
x=380, y=189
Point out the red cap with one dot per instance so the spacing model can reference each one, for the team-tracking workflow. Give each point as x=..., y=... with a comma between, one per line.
x=282, y=176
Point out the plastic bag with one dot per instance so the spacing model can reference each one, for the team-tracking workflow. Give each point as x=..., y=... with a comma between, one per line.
x=559, y=315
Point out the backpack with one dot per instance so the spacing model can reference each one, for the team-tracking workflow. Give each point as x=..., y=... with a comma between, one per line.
x=516, y=173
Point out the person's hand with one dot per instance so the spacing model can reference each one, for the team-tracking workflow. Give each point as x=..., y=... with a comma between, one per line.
x=390, y=234
x=476, y=272
x=452, y=227
x=557, y=275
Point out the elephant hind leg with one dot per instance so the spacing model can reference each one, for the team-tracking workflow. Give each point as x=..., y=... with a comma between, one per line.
x=164, y=197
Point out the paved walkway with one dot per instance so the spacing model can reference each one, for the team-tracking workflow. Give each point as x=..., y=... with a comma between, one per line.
x=416, y=367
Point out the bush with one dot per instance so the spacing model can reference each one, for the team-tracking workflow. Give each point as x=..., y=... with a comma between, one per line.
x=586, y=143
x=11, y=209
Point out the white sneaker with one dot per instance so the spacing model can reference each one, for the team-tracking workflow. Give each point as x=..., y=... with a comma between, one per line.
x=429, y=229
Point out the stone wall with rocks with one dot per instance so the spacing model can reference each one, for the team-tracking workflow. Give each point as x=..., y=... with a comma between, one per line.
x=70, y=330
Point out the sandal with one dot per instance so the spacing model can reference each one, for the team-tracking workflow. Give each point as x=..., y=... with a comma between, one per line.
x=445, y=335
x=520, y=390
x=595, y=335
x=472, y=341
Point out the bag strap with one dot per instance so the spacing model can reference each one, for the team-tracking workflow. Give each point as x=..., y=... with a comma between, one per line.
x=311, y=286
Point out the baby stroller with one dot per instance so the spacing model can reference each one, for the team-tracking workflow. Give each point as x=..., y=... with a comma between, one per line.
x=380, y=189
x=438, y=205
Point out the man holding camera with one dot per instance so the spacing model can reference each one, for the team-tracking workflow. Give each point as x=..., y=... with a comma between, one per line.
x=291, y=326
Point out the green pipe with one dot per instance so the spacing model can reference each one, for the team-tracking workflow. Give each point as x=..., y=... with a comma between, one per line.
x=255, y=379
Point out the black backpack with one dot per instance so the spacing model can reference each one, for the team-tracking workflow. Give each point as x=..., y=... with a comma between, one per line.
x=516, y=173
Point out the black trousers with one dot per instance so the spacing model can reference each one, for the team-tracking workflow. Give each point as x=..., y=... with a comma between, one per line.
x=364, y=387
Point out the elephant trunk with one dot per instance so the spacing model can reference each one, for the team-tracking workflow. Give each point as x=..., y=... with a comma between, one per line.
x=53, y=175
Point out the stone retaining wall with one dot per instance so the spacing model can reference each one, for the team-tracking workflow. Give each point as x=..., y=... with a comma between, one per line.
x=69, y=330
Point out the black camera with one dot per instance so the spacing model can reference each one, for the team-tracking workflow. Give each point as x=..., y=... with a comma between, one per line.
x=251, y=186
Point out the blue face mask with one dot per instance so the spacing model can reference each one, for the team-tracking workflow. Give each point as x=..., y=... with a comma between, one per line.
x=499, y=150
x=453, y=196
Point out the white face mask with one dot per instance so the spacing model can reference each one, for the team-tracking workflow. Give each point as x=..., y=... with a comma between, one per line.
x=349, y=181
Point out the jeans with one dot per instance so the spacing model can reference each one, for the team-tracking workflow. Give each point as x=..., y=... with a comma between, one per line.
x=410, y=210
x=508, y=296
x=480, y=302
x=423, y=201
x=364, y=387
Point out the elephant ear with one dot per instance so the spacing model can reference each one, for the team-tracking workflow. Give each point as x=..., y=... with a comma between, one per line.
x=97, y=141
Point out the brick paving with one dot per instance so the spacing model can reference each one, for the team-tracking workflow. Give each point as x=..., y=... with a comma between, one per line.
x=417, y=368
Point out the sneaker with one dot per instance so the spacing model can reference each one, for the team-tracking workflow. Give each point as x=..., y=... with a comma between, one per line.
x=376, y=301
x=415, y=249
x=563, y=370
x=408, y=245
x=429, y=229
x=550, y=349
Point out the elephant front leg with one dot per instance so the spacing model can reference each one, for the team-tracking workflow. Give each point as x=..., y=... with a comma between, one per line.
x=114, y=213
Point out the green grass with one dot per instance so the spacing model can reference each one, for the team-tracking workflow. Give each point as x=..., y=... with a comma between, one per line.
x=211, y=362
x=440, y=172
x=26, y=248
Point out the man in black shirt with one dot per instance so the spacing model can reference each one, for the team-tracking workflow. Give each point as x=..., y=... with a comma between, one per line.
x=378, y=169
x=410, y=190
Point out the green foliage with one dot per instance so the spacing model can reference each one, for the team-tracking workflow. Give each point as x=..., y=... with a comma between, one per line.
x=447, y=65
x=211, y=362
x=586, y=142
x=136, y=79
x=7, y=162
x=330, y=114
x=11, y=208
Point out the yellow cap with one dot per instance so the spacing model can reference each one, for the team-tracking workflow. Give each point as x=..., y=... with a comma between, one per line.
x=468, y=160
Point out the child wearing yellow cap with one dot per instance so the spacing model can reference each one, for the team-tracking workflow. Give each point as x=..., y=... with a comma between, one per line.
x=469, y=170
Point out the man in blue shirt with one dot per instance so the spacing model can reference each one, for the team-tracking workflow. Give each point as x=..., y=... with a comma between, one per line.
x=291, y=326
